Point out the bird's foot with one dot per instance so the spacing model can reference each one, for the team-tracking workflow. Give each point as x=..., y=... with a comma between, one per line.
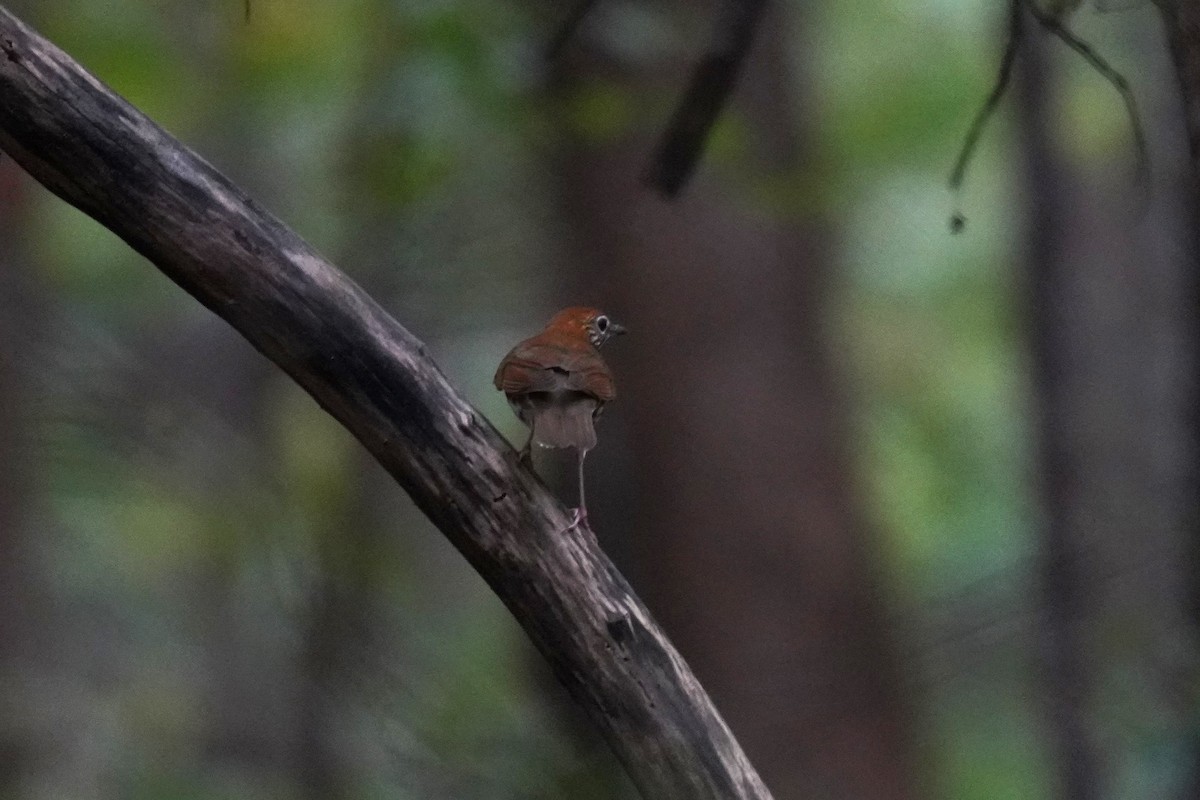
x=579, y=519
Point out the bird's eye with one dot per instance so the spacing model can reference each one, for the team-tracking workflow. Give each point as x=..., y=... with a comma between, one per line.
x=602, y=324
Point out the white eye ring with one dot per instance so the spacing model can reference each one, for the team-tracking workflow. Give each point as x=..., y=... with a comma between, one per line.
x=602, y=323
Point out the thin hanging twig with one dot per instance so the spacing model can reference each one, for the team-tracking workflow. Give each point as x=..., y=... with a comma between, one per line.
x=1015, y=31
x=1053, y=24
x=1110, y=74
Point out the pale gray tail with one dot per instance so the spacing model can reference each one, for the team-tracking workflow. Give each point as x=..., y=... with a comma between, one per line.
x=565, y=424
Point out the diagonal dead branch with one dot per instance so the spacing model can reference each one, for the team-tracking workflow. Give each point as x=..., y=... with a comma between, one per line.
x=97, y=152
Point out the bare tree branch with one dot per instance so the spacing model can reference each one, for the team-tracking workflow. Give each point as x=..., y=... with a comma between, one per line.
x=100, y=154
x=683, y=141
x=568, y=27
x=1054, y=24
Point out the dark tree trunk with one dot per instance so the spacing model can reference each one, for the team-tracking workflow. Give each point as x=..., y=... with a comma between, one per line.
x=1181, y=23
x=20, y=346
x=1067, y=679
x=1111, y=346
x=337, y=628
x=750, y=542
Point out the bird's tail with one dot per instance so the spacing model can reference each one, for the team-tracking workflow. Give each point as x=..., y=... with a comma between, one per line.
x=566, y=425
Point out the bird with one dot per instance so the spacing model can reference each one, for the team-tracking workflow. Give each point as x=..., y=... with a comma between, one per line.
x=558, y=384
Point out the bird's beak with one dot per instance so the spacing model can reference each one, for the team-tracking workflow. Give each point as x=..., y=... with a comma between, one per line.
x=616, y=328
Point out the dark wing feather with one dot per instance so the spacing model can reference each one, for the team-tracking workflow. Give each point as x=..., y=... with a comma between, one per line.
x=521, y=376
x=596, y=382
x=548, y=367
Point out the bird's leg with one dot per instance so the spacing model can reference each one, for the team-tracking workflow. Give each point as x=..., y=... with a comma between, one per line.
x=579, y=519
x=526, y=453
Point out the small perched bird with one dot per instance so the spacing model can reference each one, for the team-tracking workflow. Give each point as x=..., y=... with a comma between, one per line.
x=557, y=383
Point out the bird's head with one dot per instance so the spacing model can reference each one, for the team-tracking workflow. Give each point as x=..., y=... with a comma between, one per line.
x=593, y=323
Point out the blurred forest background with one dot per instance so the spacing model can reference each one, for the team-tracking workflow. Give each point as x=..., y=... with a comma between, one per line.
x=919, y=509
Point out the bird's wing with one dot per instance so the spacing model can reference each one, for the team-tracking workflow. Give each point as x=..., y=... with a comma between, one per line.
x=550, y=367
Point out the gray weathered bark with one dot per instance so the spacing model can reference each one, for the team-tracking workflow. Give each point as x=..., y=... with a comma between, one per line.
x=100, y=154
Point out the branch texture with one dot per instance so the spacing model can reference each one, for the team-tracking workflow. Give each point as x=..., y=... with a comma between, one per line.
x=98, y=153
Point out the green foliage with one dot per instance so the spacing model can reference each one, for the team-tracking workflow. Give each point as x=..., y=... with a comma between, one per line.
x=600, y=112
